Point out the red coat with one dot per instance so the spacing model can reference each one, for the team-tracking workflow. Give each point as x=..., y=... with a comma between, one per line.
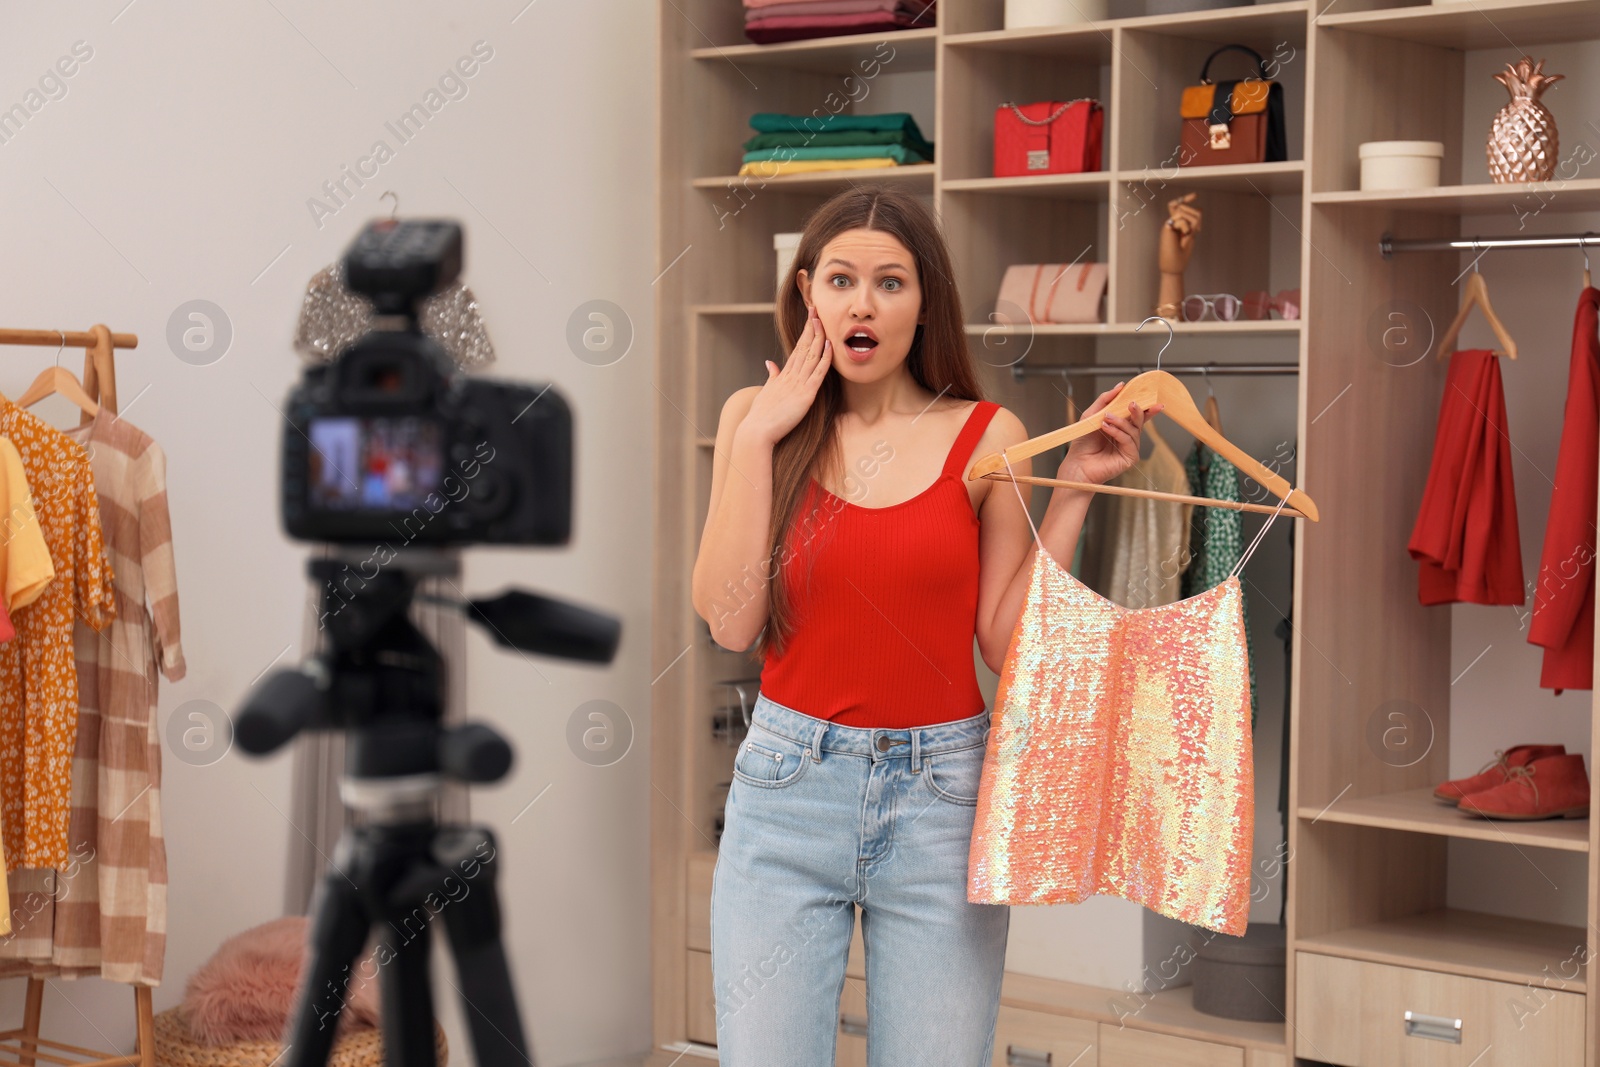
x=1563, y=601
x=1465, y=539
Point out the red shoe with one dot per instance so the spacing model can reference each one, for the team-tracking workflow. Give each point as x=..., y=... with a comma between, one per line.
x=1495, y=771
x=1544, y=789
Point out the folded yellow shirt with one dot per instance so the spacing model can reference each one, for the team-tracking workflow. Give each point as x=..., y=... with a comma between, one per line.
x=771, y=168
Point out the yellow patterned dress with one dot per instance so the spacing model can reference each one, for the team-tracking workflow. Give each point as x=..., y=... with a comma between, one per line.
x=38, y=673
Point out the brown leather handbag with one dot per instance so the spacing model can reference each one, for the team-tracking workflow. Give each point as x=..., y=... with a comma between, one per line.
x=1234, y=121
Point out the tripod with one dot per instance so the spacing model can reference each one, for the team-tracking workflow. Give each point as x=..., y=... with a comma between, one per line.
x=397, y=869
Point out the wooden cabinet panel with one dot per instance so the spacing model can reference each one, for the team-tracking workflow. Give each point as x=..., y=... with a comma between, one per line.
x=1024, y=1038
x=700, y=999
x=852, y=1047
x=1353, y=1013
x=1259, y=1057
x=1124, y=1047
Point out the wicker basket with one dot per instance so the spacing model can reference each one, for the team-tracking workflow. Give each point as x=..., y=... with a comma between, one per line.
x=174, y=1047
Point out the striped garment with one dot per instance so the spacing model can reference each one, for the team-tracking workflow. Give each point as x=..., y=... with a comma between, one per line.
x=104, y=913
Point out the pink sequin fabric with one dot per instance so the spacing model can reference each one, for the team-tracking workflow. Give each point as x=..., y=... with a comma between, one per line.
x=1119, y=759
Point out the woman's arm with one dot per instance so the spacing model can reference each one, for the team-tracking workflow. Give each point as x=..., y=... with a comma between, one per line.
x=1006, y=546
x=729, y=583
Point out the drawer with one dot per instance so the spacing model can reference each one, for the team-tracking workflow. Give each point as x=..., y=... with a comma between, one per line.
x=1260, y=1057
x=700, y=998
x=1353, y=1013
x=852, y=1046
x=698, y=917
x=1125, y=1047
x=1024, y=1038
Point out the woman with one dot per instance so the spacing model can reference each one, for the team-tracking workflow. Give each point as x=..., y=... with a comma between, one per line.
x=844, y=538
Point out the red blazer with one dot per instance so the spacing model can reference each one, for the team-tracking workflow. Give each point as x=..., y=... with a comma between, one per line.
x=1465, y=538
x=1563, y=600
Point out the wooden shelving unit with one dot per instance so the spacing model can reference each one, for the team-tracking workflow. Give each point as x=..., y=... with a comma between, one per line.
x=1367, y=877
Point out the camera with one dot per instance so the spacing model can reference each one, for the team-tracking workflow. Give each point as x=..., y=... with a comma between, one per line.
x=392, y=442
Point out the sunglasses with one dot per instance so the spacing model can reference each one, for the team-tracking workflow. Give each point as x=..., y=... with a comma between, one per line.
x=1225, y=307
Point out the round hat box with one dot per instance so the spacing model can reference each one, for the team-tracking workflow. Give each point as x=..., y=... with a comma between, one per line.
x=1400, y=164
x=1242, y=977
x=1020, y=13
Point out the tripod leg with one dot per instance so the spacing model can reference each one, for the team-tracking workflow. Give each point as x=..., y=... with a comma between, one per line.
x=473, y=921
x=338, y=930
x=407, y=1002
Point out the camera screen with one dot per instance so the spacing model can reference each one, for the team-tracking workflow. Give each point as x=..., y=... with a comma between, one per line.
x=374, y=464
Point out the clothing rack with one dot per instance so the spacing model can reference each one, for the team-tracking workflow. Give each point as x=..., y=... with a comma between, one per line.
x=1388, y=245
x=1096, y=370
x=23, y=1045
x=98, y=341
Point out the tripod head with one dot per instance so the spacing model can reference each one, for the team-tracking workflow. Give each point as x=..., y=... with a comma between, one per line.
x=380, y=680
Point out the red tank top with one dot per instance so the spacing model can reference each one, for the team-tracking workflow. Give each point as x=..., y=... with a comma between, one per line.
x=885, y=619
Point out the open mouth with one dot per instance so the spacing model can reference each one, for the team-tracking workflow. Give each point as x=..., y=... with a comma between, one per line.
x=861, y=342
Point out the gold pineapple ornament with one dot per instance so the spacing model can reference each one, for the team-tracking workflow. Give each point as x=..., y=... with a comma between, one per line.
x=1523, y=143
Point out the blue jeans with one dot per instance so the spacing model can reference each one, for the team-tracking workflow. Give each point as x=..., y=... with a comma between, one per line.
x=821, y=818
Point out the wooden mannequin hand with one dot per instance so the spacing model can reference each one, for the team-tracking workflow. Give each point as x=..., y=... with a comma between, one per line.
x=1100, y=456
x=1177, y=234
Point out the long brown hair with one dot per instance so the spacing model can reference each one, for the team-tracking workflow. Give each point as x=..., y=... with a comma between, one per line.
x=938, y=361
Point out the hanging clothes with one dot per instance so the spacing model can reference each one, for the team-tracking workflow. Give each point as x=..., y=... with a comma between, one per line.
x=1216, y=535
x=1563, y=599
x=25, y=567
x=38, y=675
x=1120, y=758
x=1465, y=537
x=1137, y=549
x=118, y=930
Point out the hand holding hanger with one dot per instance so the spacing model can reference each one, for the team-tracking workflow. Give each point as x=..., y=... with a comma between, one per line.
x=1100, y=457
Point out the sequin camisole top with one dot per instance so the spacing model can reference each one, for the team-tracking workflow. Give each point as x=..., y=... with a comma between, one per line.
x=1119, y=761
x=885, y=603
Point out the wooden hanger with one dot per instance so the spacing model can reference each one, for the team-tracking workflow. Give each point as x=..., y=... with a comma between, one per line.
x=1213, y=410
x=1583, y=246
x=1147, y=390
x=58, y=379
x=1476, y=292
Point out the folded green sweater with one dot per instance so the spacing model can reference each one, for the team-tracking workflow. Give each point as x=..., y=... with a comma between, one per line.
x=776, y=122
x=817, y=140
x=898, y=153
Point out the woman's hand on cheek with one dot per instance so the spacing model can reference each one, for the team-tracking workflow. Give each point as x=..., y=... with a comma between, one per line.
x=1100, y=456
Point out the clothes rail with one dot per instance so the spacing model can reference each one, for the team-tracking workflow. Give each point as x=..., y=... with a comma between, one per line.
x=99, y=344
x=1097, y=370
x=1388, y=245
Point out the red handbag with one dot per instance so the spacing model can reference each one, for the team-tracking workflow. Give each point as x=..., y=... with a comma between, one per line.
x=1048, y=137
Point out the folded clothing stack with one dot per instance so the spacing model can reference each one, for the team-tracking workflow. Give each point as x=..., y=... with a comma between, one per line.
x=790, y=144
x=771, y=21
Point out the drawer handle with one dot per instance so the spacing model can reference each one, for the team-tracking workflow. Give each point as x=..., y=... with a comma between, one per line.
x=1433, y=1027
x=853, y=1025
x=1026, y=1057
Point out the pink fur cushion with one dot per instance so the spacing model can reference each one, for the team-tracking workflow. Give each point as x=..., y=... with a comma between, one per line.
x=246, y=991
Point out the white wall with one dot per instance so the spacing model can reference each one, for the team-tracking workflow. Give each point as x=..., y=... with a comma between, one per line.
x=178, y=166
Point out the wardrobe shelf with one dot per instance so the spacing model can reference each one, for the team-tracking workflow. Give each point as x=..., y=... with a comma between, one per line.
x=919, y=176
x=1091, y=186
x=755, y=308
x=1519, y=200
x=1454, y=941
x=1100, y=329
x=1479, y=24
x=1222, y=25
x=1416, y=811
x=913, y=51
x=1267, y=179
